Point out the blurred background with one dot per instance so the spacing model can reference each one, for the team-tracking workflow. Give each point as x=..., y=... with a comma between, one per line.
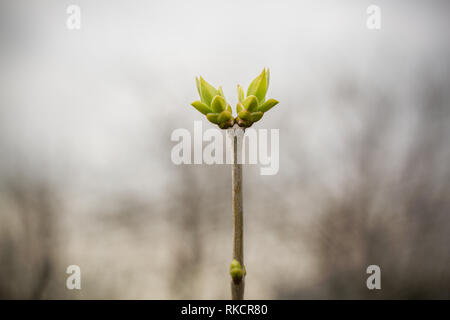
x=86, y=176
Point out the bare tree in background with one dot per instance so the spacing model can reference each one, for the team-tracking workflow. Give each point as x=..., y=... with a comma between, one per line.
x=400, y=222
x=28, y=240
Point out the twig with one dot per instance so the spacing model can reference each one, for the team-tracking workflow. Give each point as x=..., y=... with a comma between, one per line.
x=237, y=283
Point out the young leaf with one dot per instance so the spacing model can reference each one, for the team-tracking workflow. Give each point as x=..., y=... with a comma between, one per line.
x=250, y=103
x=197, y=81
x=258, y=87
x=269, y=104
x=213, y=117
x=239, y=107
x=262, y=88
x=218, y=104
x=219, y=89
x=256, y=116
x=240, y=93
x=208, y=91
x=245, y=115
x=229, y=108
x=224, y=116
x=200, y=106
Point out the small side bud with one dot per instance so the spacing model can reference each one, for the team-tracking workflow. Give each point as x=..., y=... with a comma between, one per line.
x=236, y=274
x=236, y=271
x=235, y=264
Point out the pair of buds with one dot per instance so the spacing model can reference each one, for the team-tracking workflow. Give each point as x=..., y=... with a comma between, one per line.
x=249, y=109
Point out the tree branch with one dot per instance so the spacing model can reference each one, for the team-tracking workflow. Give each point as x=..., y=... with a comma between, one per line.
x=237, y=284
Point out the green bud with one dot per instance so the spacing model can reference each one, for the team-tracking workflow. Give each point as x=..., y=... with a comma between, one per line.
x=227, y=124
x=213, y=117
x=239, y=107
x=250, y=103
x=266, y=106
x=244, y=119
x=243, y=123
x=225, y=120
x=258, y=87
x=245, y=115
x=250, y=109
x=236, y=274
x=224, y=116
x=256, y=116
x=218, y=104
x=200, y=106
x=207, y=91
x=236, y=271
x=240, y=93
x=235, y=264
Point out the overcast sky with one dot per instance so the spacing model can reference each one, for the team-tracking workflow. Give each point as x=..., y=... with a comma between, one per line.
x=97, y=105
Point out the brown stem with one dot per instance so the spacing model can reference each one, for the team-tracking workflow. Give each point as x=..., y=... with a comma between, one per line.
x=237, y=286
